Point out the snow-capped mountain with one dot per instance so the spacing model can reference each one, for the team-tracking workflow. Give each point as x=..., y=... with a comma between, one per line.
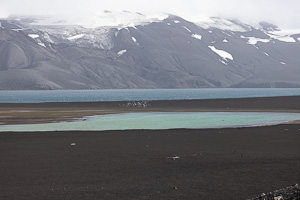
x=132, y=50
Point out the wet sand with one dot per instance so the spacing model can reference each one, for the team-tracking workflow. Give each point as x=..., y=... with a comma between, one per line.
x=233, y=163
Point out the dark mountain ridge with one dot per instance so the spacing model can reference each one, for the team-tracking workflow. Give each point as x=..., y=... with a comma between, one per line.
x=171, y=53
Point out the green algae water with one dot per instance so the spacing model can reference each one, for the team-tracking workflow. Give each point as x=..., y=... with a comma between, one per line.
x=161, y=120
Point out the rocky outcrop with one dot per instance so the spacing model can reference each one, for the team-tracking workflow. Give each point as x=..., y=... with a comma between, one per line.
x=289, y=193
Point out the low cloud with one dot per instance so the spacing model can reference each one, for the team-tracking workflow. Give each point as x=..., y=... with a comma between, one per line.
x=283, y=13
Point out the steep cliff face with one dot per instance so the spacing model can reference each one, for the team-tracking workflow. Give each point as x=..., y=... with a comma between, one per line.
x=168, y=53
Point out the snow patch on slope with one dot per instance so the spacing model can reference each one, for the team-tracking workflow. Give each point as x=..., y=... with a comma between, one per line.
x=286, y=39
x=176, y=21
x=134, y=39
x=120, y=53
x=285, y=32
x=225, y=55
x=42, y=44
x=17, y=29
x=225, y=41
x=48, y=38
x=254, y=40
x=75, y=37
x=187, y=29
x=283, y=35
x=197, y=36
x=33, y=36
x=222, y=61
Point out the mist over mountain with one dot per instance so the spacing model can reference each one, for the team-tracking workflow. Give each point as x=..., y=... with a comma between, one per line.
x=134, y=50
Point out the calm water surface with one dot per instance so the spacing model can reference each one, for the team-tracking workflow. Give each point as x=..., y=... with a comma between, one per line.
x=162, y=120
x=137, y=95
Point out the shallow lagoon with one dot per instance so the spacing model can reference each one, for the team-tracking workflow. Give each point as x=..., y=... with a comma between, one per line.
x=162, y=120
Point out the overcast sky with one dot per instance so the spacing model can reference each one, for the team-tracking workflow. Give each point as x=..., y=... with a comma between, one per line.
x=284, y=13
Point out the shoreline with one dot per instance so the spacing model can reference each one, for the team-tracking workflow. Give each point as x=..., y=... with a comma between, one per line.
x=32, y=113
x=291, y=122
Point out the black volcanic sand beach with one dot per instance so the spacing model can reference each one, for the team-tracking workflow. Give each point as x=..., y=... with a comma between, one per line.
x=213, y=164
x=233, y=163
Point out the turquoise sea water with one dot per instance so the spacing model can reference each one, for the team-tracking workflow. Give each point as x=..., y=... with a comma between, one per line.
x=137, y=95
x=162, y=120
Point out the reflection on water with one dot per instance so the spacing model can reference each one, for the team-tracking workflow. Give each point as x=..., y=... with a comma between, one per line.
x=162, y=120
